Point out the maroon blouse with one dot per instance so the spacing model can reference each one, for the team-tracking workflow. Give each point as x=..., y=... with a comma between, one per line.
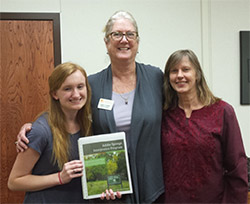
x=203, y=156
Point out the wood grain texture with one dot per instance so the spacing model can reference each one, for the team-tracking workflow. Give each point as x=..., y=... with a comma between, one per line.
x=27, y=60
x=248, y=200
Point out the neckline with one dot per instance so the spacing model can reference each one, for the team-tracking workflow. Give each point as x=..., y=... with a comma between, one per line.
x=193, y=111
x=125, y=96
x=124, y=93
x=72, y=134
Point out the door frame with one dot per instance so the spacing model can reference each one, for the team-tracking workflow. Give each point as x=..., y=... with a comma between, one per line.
x=55, y=17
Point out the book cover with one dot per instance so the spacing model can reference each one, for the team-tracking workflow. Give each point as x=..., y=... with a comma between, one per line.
x=106, y=164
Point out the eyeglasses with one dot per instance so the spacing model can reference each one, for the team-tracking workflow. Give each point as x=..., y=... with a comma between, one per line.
x=130, y=35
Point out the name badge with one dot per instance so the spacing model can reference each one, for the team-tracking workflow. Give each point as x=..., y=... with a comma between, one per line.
x=105, y=104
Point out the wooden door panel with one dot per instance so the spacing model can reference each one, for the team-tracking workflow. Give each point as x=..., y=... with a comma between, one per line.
x=27, y=60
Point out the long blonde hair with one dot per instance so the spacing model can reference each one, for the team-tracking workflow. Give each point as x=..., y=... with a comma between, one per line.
x=204, y=94
x=56, y=117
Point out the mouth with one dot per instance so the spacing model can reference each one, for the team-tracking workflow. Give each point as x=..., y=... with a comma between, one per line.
x=181, y=82
x=123, y=48
x=75, y=100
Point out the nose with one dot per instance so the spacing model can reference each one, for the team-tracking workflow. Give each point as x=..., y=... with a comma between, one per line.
x=75, y=93
x=180, y=73
x=124, y=37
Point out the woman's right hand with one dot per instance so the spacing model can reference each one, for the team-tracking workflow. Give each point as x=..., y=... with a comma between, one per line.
x=22, y=140
x=109, y=194
x=72, y=169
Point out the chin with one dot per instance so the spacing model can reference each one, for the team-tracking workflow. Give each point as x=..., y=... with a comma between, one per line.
x=78, y=107
x=124, y=56
x=181, y=91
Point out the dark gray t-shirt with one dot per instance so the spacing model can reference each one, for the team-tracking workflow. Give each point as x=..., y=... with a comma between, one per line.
x=41, y=140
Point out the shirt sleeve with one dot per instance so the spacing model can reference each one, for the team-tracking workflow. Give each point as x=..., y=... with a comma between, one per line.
x=38, y=136
x=235, y=160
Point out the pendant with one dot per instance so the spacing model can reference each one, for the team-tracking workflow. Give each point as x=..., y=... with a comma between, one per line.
x=125, y=99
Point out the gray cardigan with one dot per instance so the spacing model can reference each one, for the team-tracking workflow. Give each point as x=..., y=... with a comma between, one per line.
x=145, y=142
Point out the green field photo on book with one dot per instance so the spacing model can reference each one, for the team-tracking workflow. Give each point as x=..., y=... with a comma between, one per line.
x=106, y=170
x=105, y=164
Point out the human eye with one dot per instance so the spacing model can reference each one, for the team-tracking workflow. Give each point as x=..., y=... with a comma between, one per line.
x=116, y=34
x=80, y=86
x=131, y=35
x=173, y=70
x=186, y=69
x=66, y=88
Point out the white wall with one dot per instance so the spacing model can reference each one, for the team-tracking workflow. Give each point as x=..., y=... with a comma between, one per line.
x=209, y=27
x=159, y=23
x=228, y=17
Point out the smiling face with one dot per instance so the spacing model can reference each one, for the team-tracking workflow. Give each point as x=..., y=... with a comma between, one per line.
x=124, y=49
x=72, y=94
x=182, y=77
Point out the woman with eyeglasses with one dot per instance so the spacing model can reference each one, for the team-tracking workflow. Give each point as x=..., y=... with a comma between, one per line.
x=134, y=105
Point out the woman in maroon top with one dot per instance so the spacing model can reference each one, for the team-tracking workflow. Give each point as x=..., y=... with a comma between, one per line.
x=203, y=155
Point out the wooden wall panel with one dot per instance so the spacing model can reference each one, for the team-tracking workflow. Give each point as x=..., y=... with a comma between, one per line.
x=248, y=200
x=27, y=59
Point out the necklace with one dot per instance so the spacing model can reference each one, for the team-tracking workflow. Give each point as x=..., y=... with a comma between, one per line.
x=125, y=98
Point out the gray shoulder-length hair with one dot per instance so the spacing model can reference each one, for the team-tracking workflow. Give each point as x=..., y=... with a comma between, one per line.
x=204, y=94
x=119, y=15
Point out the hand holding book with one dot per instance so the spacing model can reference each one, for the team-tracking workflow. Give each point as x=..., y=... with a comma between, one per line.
x=106, y=172
x=110, y=195
x=71, y=169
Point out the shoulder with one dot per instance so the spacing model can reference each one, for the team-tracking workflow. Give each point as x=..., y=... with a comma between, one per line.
x=150, y=73
x=223, y=107
x=40, y=134
x=149, y=68
x=94, y=77
x=40, y=128
x=97, y=80
x=171, y=111
x=41, y=123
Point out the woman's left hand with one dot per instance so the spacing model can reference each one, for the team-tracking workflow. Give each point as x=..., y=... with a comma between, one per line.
x=110, y=195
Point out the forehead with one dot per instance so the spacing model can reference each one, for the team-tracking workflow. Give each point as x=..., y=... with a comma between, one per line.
x=123, y=25
x=76, y=76
x=185, y=59
x=181, y=62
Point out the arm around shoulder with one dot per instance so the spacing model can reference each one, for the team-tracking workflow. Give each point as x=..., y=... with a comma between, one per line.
x=22, y=140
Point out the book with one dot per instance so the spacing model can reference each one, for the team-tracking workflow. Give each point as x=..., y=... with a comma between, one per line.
x=105, y=164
